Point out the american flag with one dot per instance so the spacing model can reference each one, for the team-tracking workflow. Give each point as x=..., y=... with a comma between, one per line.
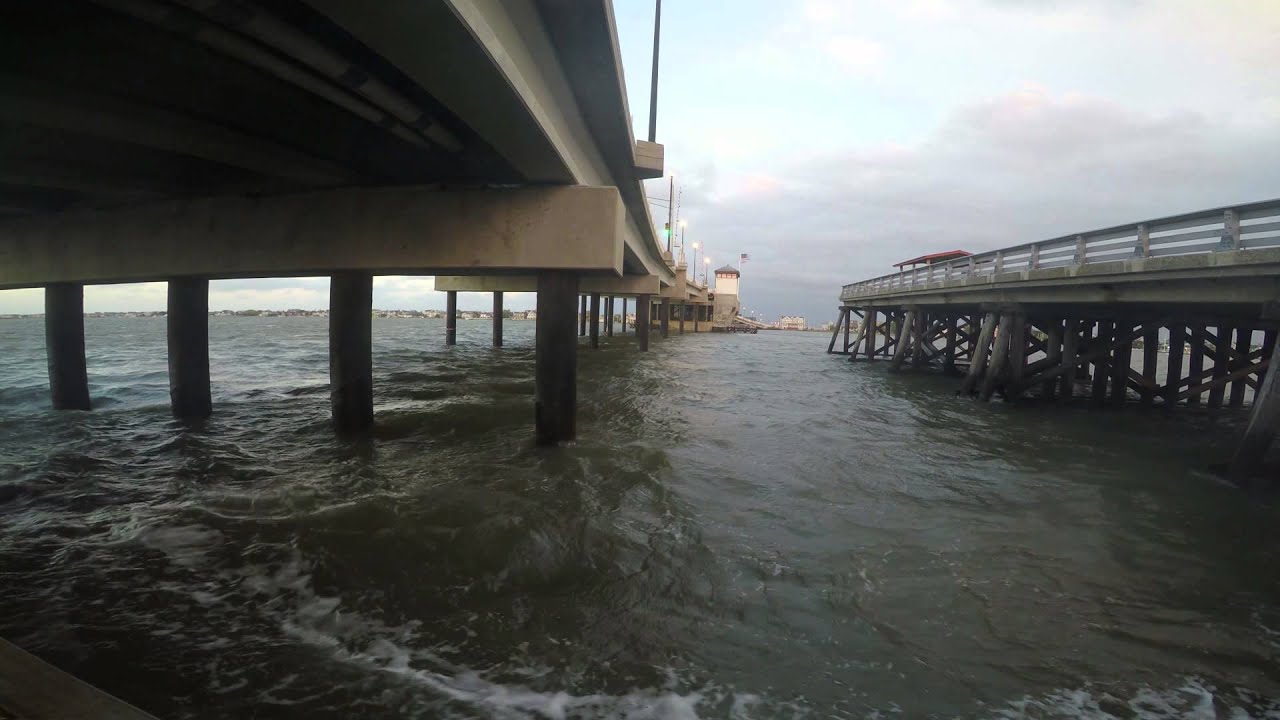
x=745, y=257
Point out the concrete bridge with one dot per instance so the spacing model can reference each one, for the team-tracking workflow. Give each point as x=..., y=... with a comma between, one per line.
x=1060, y=318
x=189, y=140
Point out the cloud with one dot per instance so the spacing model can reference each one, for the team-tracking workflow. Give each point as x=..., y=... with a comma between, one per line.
x=1005, y=170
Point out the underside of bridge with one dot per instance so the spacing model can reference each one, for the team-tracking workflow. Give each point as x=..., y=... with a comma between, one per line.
x=188, y=140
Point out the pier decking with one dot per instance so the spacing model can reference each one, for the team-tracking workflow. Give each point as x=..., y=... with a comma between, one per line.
x=1043, y=318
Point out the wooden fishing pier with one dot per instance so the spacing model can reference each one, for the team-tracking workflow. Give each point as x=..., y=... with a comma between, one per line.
x=1087, y=318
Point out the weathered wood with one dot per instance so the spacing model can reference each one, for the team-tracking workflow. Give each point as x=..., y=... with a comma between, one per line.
x=1150, y=351
x=1053, y=353
x=1070, y=339
x=1221, y=364
x=841, y=318
x=979, y=364
x=999, y=357
x=64, y=346
x=1196, y=363
x=857, y=339
x=1244, y=338
x=1099, y=348
x=1219, y=381
x=187, y=324
x=847, y=313
x=1268, y=347
x=921, y=337
x=351, y=350
x=555, y=405
x=1264, y=420
x=1173, y=373
x=901, y=344
x=451, y=317
x=1017, y=355
x=872, y=314
x=1101, y=366
x=1121, y=362
x=951, y=333
x=593, y=327
x=1087, y=330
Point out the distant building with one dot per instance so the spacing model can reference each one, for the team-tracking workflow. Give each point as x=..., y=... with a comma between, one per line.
x=792, y=322
x=725, y=299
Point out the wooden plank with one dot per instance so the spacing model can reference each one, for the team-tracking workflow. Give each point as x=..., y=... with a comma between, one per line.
x=1268, y=346
x=1220, y=381
x=857, y=339
x=1196, y=362
x=1244, y=337
x=1100, y=347
x=921, y=337
x=979, y=363
x=1173, y=373
x=999, y=357
x=871, y=332
x=847, y=313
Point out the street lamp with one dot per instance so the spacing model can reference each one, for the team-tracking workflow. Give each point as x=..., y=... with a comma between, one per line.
x=683, y=224
x=706, y=271
x=695, y=262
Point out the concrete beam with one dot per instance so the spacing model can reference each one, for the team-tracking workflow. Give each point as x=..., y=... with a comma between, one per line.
x=628, y=285
x=384, y=231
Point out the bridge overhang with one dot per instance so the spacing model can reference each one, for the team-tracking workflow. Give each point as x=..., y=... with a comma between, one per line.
x=382, y=230
x=629, y=285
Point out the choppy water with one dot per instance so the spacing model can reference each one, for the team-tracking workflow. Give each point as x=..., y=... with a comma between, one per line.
x=748, y=528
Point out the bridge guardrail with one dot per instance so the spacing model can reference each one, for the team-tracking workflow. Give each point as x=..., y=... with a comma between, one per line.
x=1241, y=227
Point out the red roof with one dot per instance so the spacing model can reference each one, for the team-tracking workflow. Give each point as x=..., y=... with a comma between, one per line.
x=934, y=258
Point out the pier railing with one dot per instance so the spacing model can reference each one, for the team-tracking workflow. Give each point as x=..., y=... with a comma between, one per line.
x=1242, y=227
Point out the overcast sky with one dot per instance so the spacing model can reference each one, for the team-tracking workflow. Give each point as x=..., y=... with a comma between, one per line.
x=828, y=139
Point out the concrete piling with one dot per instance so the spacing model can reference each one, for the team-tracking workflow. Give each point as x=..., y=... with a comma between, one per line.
x=664, y=317
x=64, y=346
x=351, y=350
x=451, y=318
x=643, y=304
x=497, y=318
x=188, y=336
x=556, y=360
x=594, y=328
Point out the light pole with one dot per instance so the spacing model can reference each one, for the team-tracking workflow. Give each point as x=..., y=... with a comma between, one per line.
x=695, y=263
x=683, y=224
x=706, y=271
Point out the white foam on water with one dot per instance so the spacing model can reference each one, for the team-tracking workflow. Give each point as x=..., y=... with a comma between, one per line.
x=1195, y=699
x=184, y=545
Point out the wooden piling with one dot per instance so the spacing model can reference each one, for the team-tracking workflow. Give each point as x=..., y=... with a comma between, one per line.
x=1195, y=364
x=1053, y=353
x=351, y=350
x=1150, y=350
x=1243, y=345
x=902, y=340
x=835, y=332
x=1173, y=371
x=871, y=331
x=64, y=346
x=920, y=332
x=1121, y=362
x=999, y=357
x=1070, y=345
x=847, y=313
x=187, y=323
x=1101, y=374
x=978, y=364
x=555, y=405
x=1221, y=363
x=1018, y=337
x=1264, y=421
x=949, y=351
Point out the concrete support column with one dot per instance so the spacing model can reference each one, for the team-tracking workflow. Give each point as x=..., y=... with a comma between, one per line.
x=582, y=317
x=664, y=317
x=683, y=308
x=497, y=318
x=188, y=325
x=555, y=404
x=608, y=316
x=351, y=350
x=624, y=316
x=451, y=318
x=643, y=303
x=594, y=328
x=64, y=346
